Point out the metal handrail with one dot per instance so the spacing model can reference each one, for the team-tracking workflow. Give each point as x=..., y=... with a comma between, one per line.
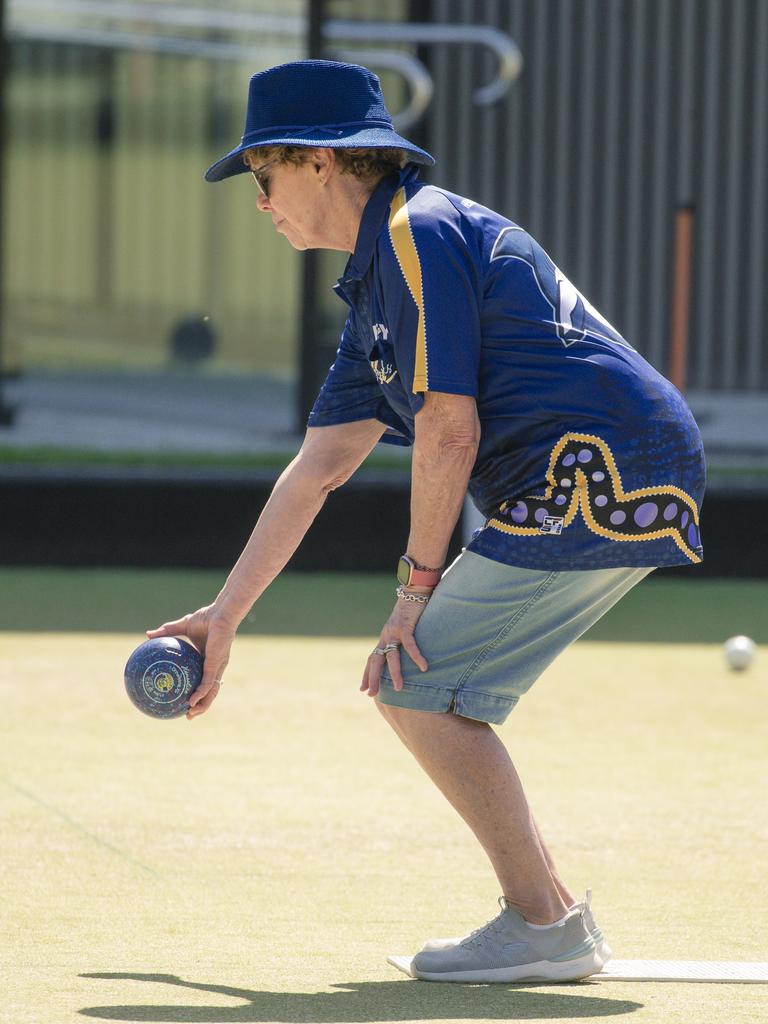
x=416, y=76
x=506, y=51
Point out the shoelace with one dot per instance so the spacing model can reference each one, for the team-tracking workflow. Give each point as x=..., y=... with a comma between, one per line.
x=490, y=927
x=494, y=925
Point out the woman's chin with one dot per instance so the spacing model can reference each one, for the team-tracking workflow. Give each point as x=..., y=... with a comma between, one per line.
x=298, y=243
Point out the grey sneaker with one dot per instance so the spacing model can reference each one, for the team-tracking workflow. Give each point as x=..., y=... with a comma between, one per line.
x=508, y=949
x=602, y=949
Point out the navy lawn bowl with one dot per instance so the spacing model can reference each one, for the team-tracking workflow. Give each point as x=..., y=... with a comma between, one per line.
x=161, y=675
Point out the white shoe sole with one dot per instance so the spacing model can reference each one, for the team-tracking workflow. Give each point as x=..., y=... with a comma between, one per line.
x=542, y=970
x=603, y=952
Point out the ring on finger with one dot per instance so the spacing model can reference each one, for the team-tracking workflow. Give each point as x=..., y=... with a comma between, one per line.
x=384, y=651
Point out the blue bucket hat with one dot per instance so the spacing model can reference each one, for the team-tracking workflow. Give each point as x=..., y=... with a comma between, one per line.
x=315, y=103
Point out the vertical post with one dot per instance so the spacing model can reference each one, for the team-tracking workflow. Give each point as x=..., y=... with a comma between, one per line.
x=420, y=11
x=104, y=135
x=315, y=18
x=6, y=411
x=311, y=259
x=681, y=296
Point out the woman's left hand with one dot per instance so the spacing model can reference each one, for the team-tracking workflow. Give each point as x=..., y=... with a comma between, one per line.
x=398, y=631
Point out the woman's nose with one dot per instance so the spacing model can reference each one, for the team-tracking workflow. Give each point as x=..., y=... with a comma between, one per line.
x=262, y=203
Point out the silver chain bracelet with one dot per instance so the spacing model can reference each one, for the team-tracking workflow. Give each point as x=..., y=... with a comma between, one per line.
x=403, y=595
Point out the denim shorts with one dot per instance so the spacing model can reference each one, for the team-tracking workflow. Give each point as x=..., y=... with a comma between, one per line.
x=491, y=629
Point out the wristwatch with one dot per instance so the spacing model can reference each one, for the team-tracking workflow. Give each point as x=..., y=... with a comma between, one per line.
x=410, y=574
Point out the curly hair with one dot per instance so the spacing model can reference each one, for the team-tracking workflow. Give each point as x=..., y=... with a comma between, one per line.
x=368, y=165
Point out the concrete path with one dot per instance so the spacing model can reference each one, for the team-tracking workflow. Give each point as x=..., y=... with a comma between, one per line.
x=186, y=412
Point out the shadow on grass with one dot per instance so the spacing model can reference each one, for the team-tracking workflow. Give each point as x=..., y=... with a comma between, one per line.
x=367, y=1001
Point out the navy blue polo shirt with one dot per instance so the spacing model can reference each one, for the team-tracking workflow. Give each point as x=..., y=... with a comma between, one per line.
x=588, y=457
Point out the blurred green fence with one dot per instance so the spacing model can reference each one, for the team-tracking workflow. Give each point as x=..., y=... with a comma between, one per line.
x=112, y=237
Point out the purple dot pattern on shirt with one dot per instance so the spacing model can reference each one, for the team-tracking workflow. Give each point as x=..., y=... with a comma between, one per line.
x=646, y=513
x=595, y=492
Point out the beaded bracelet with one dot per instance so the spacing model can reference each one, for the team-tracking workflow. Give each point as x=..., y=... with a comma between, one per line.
x=403, y=595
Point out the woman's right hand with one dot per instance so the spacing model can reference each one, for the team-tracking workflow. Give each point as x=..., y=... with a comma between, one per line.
x=213, y=637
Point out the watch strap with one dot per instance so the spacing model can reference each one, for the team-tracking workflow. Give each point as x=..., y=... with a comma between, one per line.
x=410, y=574
x=425, y=577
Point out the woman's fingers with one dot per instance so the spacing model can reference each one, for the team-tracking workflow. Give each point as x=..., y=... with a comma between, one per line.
x=366, y=670
x=412, y=650
x=389, y=656
x=204, y=700
x=393, y=664
x=373, y=673
x=216, y=661
x=175, y=628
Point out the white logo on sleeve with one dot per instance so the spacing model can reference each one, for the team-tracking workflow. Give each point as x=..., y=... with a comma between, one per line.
x=385, y=372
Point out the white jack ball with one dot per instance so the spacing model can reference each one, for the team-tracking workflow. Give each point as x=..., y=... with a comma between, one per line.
x=739, y=652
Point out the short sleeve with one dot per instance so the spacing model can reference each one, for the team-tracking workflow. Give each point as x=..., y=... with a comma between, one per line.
x=351, y=393
x=431, y=295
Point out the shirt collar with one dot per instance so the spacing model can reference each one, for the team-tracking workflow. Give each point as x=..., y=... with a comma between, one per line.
x=374, y=214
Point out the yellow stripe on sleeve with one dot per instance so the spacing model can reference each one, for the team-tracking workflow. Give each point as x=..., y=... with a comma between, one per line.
x=408, y=258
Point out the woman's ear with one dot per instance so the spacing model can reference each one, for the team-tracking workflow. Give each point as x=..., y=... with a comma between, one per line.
x=324, y=161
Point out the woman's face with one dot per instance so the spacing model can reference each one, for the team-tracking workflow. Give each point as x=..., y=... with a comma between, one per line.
x=287, y=202
x=303, y=209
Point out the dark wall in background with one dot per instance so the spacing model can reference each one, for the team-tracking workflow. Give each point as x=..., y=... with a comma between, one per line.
x=96, y=521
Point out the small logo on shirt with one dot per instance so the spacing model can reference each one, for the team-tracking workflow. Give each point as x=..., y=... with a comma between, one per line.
x=380, y=331
x=385, y=372
x=552, y=524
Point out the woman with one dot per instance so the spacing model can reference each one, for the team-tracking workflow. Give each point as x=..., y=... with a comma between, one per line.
x=465, y=340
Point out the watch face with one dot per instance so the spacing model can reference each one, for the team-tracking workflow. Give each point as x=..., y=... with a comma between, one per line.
x=404, y=571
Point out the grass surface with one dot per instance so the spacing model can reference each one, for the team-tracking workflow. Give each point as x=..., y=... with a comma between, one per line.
x=38, y=456
x=259, y=864
x=350, y=604
x=53, y=456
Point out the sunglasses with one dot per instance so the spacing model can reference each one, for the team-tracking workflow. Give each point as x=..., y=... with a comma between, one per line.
x=262, y=179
